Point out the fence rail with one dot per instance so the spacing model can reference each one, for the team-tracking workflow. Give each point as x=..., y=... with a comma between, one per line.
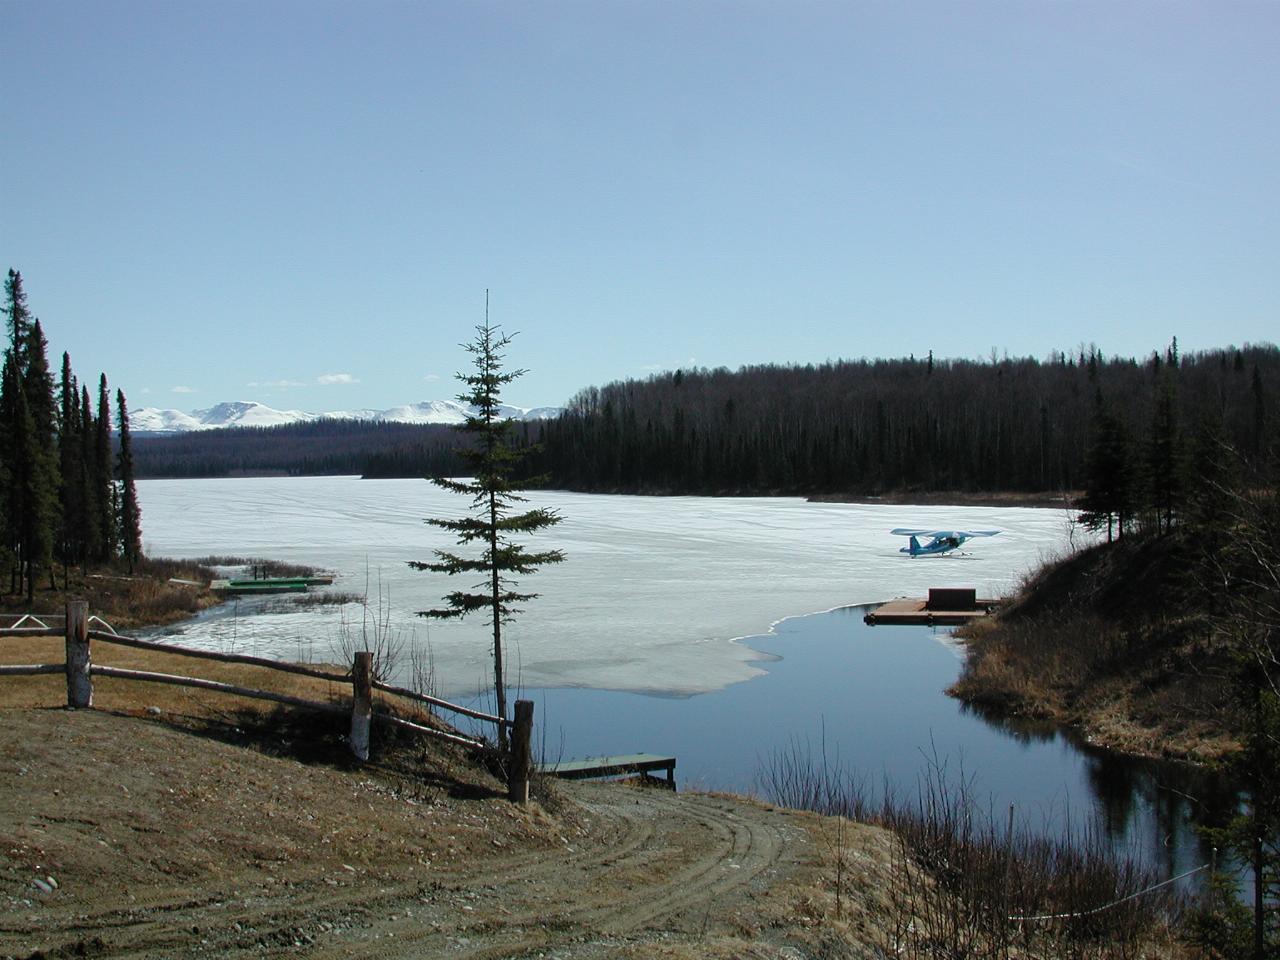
x=30, y=669
x=437, y=702
x=80, y=670
x=298, y=668
x=148, y=676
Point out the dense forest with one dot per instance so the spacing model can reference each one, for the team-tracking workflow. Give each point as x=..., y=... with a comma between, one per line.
x=849, y=427
x=319, y=447
x=873, y=426
x=66, y=487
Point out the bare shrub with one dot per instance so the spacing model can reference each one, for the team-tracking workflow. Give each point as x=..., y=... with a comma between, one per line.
x=965, y=885
x=374, y=633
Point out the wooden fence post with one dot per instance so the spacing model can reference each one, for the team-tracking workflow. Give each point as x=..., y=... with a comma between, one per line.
x=79, y=681
x=521, y=754
x=361, y=703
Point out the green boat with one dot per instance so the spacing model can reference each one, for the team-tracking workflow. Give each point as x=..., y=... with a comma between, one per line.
x=271, y=585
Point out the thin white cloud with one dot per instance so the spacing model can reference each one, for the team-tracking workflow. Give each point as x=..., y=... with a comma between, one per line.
x=275, y=384
x=184, y=390
x=431, y=377
x=328, y=379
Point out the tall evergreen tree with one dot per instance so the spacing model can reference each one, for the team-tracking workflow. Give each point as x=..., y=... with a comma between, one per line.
x=1164, y=463
x=13, y=421
x=1108, y=496
x=18, y=318
x=38, y=386
x=101, y=481
x=493, y=519
x=70, y=446
x=29, y=416
x=94, y=547
x=1259, y=414
x=130, y=525
x=32, y=490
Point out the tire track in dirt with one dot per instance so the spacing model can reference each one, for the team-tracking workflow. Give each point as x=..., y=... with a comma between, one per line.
x=215, y=876
x=685, y=864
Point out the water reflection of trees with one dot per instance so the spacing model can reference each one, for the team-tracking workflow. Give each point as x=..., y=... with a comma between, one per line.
x=1168, y=800
x=1154, y=804
x=1022, y=729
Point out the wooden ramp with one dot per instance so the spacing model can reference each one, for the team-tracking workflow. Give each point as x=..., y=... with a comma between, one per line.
x=616, y=766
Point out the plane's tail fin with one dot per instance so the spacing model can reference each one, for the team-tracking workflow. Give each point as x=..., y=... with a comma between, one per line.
x=913, y=547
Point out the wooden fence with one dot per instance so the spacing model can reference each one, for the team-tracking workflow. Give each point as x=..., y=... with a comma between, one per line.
x=80, y=671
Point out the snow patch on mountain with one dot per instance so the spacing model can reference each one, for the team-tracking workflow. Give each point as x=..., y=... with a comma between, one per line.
x=250, y=413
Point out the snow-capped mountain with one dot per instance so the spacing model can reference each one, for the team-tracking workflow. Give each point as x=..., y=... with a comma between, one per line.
x=249, y=413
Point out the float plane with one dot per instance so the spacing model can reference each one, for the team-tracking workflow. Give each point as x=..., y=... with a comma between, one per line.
x=940, y=542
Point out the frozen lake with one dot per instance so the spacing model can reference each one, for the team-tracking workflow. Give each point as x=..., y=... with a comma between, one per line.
x=641, y=638
x=653, y=595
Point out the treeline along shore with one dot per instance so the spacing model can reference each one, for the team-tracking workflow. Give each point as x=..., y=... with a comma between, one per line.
x=847, y=428
x=873, y=426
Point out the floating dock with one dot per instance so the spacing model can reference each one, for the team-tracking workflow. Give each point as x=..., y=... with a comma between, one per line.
x=269, y=584
x=596, y=767
x=945, y=607
x=258, y=586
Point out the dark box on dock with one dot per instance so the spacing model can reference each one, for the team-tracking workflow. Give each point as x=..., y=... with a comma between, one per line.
x=952, y=598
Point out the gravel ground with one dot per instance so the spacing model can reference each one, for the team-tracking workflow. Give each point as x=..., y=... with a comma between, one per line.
x=145, y=836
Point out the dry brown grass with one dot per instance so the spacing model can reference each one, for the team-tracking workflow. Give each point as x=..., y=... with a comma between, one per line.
x=147, y=597
x=185, y=706
x=1153, y=690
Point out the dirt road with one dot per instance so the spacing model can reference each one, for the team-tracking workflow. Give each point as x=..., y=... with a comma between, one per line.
x=128, y=837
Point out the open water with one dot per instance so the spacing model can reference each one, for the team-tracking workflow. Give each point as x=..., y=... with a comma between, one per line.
x=631, y=647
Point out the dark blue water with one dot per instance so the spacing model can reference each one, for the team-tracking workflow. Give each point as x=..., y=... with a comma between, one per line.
x=871, y=699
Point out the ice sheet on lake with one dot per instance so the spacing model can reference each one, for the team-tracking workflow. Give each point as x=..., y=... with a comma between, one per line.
x=652, y=593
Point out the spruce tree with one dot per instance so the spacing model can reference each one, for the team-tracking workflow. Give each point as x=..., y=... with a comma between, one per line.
x=101, y=482
x=13, y=418
x=31, y=495
x=1164, y=489
x=93, y=538
x=29, y=415
x=37, y=384
x=71, y=536
x=493, y=519
x=130, y=524
x=1259, y=434
x=1108, y=495
x=18, y=318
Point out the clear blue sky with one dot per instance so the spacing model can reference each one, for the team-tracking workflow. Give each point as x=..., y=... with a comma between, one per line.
x=303, y=202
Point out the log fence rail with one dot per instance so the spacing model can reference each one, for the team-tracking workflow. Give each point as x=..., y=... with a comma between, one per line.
x=80, y=670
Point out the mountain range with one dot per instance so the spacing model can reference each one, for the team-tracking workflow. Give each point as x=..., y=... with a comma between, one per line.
x=152, y=421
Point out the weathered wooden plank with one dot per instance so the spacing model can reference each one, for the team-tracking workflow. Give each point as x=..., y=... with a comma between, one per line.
x=361, y=703
x=521, y=754
x=30, y=669
x=31, y=632
x=430, y=731
x=612, y=766
x=147, y=676
x=298, y=668
x=437, y=702
x=79, y=681
x=918, y=612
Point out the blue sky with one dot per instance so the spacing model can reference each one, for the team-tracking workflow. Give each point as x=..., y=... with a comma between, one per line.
x=304, y=202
